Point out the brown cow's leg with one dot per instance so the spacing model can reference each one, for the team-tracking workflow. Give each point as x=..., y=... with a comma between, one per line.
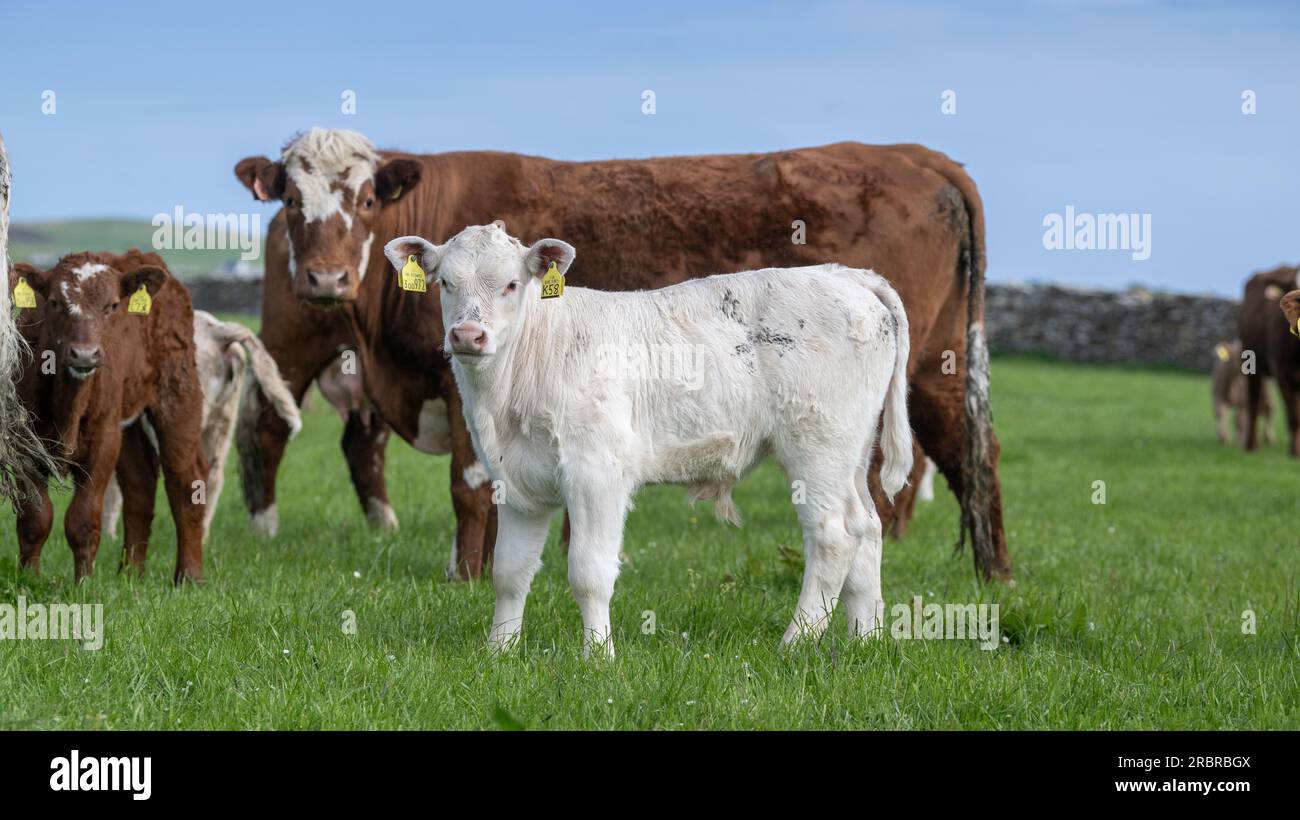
x=184, y=470
x=939, y=419
x=81, y=523
x=472, y=503
x=904, y=506
x=365, y=440
x=1291, y=404
x=35, y=518
x=1254, y=387
x=137, y=476
x=1266, y=414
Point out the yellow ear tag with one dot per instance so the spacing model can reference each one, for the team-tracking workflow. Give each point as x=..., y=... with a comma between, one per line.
x=1222, y=350
x=412, y=276
x=552, y=282
x=140, y=302
x=24, y=296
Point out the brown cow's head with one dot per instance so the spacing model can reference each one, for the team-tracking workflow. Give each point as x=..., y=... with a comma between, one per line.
x=85, y=295
x=1290, y=305
x=333, y=183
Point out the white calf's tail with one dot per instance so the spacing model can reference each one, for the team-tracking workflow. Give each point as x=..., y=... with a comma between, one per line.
x=265, y=372
x=896, y=431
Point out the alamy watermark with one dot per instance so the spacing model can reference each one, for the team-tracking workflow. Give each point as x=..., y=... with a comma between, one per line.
x=920, y=621
x=1075, y=231
x=684, y=364
x=179, y=230
x=53, y=622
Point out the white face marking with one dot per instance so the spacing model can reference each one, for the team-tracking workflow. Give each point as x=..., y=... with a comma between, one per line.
x=71, y=293
x=333, y=156
x=84, y=272
x=365, y=256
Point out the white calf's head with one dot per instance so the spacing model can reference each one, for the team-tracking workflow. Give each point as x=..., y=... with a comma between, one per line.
x=484, y=277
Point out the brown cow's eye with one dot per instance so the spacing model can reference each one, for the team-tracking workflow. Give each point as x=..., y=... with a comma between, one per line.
x=111, y=307
x=290, y=202
x=370, y=202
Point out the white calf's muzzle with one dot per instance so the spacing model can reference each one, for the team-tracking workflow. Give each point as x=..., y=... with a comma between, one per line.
x=468, y=339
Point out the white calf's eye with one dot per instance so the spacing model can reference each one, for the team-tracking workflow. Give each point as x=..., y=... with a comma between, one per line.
x=510, y=288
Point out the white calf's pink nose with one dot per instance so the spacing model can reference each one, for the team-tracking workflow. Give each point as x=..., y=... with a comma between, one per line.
x=468, y=337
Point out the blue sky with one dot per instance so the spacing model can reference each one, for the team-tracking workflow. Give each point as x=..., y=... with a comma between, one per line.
x=1111, y=107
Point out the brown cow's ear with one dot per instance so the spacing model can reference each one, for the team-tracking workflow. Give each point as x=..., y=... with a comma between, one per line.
x=34, y=276
x=261, y=176
x=396, y=179
x=545, y=251
x=152, y=277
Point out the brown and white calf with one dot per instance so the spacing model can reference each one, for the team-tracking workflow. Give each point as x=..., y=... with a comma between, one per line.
x=101, y=360
x=224, y=352
x=1228, y=395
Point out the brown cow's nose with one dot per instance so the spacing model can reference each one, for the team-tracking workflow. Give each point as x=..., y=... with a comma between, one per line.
x=468, y=337
x=327, y=284
x=84, y=359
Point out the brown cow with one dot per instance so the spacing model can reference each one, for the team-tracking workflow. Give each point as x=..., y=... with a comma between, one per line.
x=905, y=211
x=105, y=357
x=1264, y=331
x=1228, y=394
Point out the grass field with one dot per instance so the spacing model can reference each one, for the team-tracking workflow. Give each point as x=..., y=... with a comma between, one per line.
x=1124, y=615
x=47, y=241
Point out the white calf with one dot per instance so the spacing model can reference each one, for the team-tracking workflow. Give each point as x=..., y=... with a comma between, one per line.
x=219, y=353
x=564, y=410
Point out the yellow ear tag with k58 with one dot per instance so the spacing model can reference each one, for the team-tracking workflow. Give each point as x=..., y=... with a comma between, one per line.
x=24, y=296
x=412, y=276
x=140, y=303
x=552, y=282
x=1222, y=351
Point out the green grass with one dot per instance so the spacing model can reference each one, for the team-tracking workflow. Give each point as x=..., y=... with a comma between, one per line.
x=1126, y=615
x=45, y=241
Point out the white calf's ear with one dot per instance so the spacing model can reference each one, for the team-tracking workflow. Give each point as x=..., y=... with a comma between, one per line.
x=400, y=250
x=544, y=252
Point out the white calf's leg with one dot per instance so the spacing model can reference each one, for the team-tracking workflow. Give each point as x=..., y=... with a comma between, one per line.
x=863, y=605
x=834, y=522
x=520, y=538
x=595, y=541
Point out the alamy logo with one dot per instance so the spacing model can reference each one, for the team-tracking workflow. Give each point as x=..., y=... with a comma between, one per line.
x=1074, y=231
x=53, y=622
x=75, y=773
x=206, y=232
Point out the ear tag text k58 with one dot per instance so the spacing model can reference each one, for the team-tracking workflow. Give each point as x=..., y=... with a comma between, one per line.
x=24, y=296
x=140, y=303
x=412, y=276
x=552, y=282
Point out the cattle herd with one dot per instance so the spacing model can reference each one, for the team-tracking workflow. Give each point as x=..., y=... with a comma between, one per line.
x=462, y=339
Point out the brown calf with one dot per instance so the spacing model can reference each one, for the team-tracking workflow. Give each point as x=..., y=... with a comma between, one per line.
x=1263, y=329
x=906, y=211
x=1228, y=395
x=100, y=364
